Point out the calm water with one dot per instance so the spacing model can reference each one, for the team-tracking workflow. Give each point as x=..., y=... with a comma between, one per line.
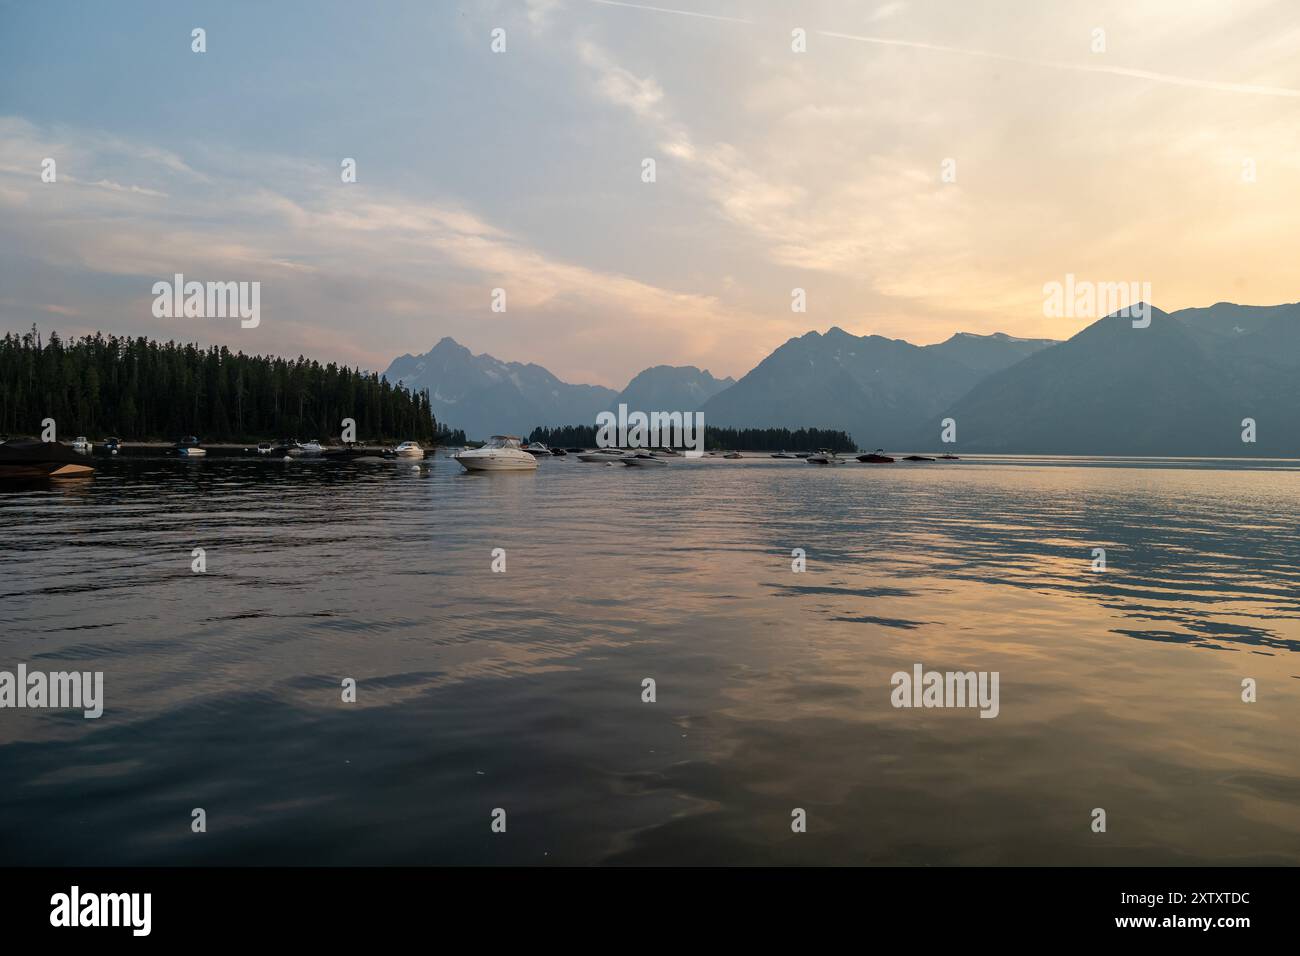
x=522, y=690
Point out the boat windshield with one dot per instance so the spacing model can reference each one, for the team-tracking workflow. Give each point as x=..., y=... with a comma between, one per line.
x=502, y=441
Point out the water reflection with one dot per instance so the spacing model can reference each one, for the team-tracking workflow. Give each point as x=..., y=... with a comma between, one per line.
x=522, y=689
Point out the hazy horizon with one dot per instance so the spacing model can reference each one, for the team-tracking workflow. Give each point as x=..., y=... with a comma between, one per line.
x=821, y=170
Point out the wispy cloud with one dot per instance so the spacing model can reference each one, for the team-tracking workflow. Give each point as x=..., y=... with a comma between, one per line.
x=1101, y=68
x=681, y=13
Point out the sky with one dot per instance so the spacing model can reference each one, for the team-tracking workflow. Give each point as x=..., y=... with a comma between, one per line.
x=922, y=167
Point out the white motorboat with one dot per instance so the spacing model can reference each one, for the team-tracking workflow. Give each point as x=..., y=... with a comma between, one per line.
x=265, y=448
x=188, y=447
x=825, y=457
x=643, y=460
x=306, y=448
x=537, y=448
x=82, y=443
x=603, y=455
x=409, y=449
x=501, y=453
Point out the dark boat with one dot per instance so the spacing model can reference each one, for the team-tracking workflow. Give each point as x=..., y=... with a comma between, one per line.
x=558, y=452
x=111, y=446
x=41, y=459
x=576, y=451
x=876, y=458
x=345, y=454
x=917, y=458
x=950, y=458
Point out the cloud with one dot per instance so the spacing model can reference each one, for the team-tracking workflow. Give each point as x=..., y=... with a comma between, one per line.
x=339, y=253
x=1204, y=84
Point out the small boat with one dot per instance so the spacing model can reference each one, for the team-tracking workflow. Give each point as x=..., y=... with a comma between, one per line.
x=409, y=449
x=784, y=454
x=112, y=445
x=558, y=452
x=41, y=459
x=188, y=447
x=603, y=455
x=825, y=457
x=536, y=448
x=265, y=448
x=917, y=458
x=666, y=453
x=500, y=453
x=82, y=443
x=734, y=455
x=346, y=454
x=877, y=457
x=643, y=460
x=950, y=458
x=312, y=447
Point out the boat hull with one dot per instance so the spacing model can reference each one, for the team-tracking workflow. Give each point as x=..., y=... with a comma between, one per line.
x=35, y=459
x=496, y=463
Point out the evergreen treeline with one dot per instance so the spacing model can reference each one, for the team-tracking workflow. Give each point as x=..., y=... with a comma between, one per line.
x=141, y=390
x=716, y=439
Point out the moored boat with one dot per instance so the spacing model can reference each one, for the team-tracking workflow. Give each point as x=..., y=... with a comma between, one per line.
x=188, y=447
x=877, y=457
x=825, y=457
x=603, y=455
x=501, y=453
x=644, y=460
x=41, y=459
x=409, y=449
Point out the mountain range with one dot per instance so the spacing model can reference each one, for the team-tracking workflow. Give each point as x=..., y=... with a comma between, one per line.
x=1180, y=386
x=486, y=396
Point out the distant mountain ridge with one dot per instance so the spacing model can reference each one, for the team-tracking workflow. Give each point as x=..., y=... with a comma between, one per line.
x=485, y=396
x=1181, y=386
x=880, y=390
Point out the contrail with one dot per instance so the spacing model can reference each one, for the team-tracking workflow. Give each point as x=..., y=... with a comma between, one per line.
x=1168, y=78
x=680, y=13
x=1076, y=67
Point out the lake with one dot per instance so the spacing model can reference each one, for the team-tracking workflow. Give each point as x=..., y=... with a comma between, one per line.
x=522, y=691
